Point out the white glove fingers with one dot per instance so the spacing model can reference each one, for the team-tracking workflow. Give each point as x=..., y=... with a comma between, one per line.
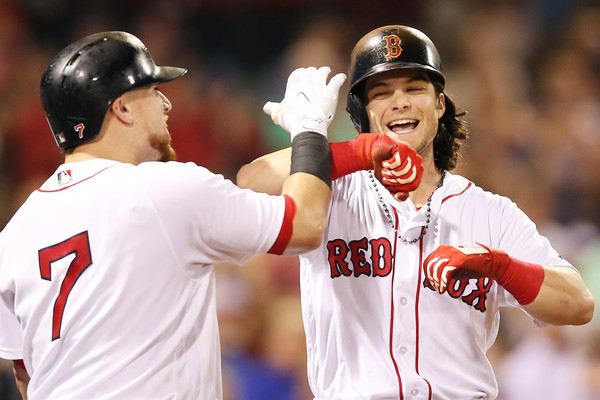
x=336, y=82
x=293, y=80
x=272, y=109
x=309, y=103
x=320, y=76
x=308, y=76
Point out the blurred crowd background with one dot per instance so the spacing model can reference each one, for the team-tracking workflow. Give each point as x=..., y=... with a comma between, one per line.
x=527, y=72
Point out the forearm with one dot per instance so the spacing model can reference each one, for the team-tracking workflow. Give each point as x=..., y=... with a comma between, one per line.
x=308, y=193
x=267, y=173
x=563, y=299
x=21, y=378
x=554, y=295
x=312, y=197
x=396, y=165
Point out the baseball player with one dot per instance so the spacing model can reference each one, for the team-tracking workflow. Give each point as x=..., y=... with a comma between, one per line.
x=402, y=298
x=107, y=288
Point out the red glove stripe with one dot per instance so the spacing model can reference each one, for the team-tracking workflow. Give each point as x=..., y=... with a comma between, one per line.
x=353, y=155
x=287, y=227
x=523, y=280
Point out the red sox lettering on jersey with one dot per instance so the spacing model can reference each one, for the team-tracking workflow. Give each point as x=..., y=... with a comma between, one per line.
x=374, y=328
x=373, y=258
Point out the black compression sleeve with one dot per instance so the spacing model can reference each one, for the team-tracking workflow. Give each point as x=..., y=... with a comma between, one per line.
x=311, y=154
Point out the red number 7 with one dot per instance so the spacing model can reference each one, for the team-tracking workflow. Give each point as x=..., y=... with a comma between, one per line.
x=78, y=244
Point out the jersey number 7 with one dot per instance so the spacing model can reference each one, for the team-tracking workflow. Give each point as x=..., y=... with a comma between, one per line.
x=78, y=245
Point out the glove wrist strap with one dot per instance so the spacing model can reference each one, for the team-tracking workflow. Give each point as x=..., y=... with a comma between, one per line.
x=311, y=154
x=353, y=155
x=522, y=279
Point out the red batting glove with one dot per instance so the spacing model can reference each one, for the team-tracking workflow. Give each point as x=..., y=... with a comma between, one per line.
x=522, y=279
x=395, y=164
x=402, y=173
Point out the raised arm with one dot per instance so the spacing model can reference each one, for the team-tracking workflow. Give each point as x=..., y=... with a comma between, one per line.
x=266, y=174
x=304, y=172
x=310, y=103
x=396, y=165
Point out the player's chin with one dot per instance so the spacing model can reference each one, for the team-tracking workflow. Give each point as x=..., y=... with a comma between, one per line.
x=167, y=153
x=164, y=149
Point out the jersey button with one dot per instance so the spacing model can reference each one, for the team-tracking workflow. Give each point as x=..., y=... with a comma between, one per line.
x=414, y=392
x=403, y=301
x=403, y=350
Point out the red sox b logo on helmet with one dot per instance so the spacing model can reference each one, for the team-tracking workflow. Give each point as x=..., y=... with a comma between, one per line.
x=392, y=46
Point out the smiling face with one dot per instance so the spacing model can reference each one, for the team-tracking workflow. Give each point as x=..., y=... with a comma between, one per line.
x=404, y=105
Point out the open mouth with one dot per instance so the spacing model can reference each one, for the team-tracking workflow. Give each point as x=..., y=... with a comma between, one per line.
x=402, y=125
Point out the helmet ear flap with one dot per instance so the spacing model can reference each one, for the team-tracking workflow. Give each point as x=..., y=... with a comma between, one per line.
x=358, y=113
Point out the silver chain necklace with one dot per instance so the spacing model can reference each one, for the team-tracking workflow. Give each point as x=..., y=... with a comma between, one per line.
x=389, y=216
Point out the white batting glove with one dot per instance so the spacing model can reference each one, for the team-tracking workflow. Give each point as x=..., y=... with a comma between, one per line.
x=309, y=103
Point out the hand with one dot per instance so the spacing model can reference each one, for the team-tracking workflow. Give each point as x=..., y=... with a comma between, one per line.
x=401, y=172
x=520, y=278
x=396, y=165
x=309, y=103
x=459, y=262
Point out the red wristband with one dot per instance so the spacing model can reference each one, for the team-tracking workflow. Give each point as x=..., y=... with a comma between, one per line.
x=20, y=363
x=523, y=280
x=353, y=155
x=287, y=227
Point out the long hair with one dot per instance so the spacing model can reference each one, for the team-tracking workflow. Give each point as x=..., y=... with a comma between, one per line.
x=452, y=131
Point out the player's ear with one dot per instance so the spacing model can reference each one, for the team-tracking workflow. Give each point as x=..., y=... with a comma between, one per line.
x=441, y=105
x=122, y=110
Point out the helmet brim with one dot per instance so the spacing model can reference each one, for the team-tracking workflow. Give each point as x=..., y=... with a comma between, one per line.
x=167, y=74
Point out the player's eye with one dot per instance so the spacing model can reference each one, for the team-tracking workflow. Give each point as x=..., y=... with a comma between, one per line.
x=379, y=93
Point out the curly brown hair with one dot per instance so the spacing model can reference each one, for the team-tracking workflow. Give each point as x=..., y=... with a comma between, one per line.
x=452, y=131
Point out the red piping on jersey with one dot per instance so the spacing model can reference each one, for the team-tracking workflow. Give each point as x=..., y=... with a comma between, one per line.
x=287, y=227
x=457, y=194
x=417, y=296
x=391, y=341
x=419, y=279
x=76, y=183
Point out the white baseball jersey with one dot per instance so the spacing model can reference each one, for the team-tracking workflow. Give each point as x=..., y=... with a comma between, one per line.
x=107, y=288
x=374, y=330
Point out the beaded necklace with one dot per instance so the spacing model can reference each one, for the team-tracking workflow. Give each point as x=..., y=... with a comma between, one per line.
x=389, y=216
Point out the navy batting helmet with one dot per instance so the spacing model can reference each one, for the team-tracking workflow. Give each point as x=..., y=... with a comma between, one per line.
x=83, y=80
x=388, y=48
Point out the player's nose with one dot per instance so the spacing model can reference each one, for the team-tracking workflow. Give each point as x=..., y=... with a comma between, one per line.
x=166, y=103
x=399, y=100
